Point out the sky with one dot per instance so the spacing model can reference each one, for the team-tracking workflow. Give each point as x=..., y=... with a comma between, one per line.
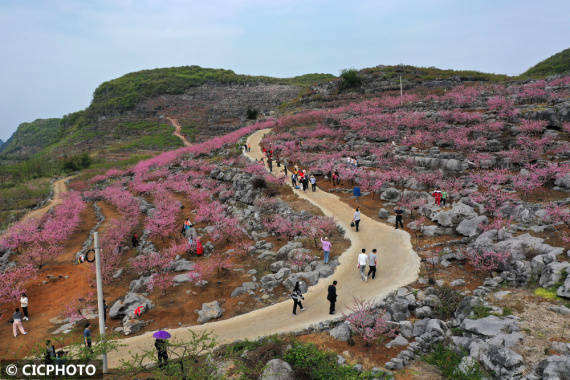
x=55, y=53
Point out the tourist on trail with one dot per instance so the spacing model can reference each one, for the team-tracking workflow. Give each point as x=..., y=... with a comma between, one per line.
x=294, y=180
x=187, y=224
x=372, y=264
x=270, y=164
x=87, y=336
x=278, y=162
x=399, y=216
x=248, y=148
x=199, y=247
x=17, y=323
x=313, y=183
x=285, y=170
x=49, y=355
x=326, y=249
x=356, y=218
x=297, y=296
x=305, y=183
x=362, y=261
x=24, y=304
x=160, y=345
x=331, y=296
x=437, y=195
x=105, y=311
x=334, y=178
x=135, y=240
x=444, y=197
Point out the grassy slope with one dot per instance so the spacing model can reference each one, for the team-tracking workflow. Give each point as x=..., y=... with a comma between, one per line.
x=557, y=64
x=31, y=138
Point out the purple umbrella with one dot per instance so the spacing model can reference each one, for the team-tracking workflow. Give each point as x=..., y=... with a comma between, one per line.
x=161, y=334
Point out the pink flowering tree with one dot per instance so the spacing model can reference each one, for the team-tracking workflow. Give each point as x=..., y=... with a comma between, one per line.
x=318, y=227
x=486, y=260
x=369, y=324
x=13, y=280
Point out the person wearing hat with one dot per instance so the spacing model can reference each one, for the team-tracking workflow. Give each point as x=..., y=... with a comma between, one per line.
x=326, y=249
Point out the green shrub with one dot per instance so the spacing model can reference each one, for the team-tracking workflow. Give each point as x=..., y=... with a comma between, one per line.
x=251, y=114
x=308, y=361
x=350, y=78
x=481, y=311
x=447, y=360
x=450, y=299
x=74, y=163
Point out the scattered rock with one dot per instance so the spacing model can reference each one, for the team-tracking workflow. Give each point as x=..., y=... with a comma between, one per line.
x=210, y=310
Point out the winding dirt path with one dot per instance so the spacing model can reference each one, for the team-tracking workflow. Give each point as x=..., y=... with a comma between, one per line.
x=398, y=265
x=178, y=131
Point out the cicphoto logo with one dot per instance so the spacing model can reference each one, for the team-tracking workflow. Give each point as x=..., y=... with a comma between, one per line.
x=69, y=370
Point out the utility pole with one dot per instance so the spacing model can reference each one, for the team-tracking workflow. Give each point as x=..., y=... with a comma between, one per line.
x=100, y=295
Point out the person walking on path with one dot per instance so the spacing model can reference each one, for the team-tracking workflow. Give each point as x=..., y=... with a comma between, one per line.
x=305, y=183
x=399, y=217
x=87, y=336
x=24, y=304
x=297, y=296
x=294, y=180
x=437, y=195
x=444, y=197
x=313, y=183
x=362, y=261
x=17, y=323
x=105, y=311
x=372, y=264
x=356, y=218
x=135, y=240
x=331, y=296
x=162, y=353
x=285, y=170
x=334, y=178
x=326, y=249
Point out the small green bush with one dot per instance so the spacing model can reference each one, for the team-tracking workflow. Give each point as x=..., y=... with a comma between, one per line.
x=308, y=361
x=450, y=299
x=350, y=78
x=447, y=360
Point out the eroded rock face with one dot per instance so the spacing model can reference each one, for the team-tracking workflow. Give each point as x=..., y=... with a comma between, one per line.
x=128, y=304
x=210, y=310
x=277, y=369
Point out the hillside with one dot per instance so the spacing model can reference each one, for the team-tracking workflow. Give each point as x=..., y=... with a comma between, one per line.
x=559, y=63
x=31, y=138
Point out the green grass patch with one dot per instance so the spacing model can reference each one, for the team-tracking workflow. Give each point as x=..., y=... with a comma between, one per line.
x=308, y=361
x=447, y=360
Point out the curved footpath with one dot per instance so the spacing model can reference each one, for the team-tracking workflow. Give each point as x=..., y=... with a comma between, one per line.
x=398, y=265
x=178, y=131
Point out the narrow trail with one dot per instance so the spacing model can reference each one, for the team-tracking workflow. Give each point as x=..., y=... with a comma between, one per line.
x=178, y=131
x=398, y=265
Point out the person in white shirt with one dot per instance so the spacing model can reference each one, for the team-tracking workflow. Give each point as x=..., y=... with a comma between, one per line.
x=372, y=264
x=24, y=304
x=362, y=261
x=356, y=218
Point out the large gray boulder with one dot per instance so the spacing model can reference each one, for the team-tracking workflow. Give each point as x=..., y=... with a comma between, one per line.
x=311, y=277
x=554, y=367
x=133, y=325
x=391, y=195
x=324, y=270
x=128, y=304
x=471, y=227
x=526, y=246
x=552, y=273
x=453, y=217
x=341, y=332
x=210, y=310
x=283, y=252
x=490, y=326
x=398, y=341
x=564, y=290
x=277, y=369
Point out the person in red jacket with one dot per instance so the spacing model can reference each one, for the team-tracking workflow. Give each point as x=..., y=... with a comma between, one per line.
x=199, y=248
x=437, y=195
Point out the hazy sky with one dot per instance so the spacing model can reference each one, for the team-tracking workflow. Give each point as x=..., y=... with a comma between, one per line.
x=56, y=52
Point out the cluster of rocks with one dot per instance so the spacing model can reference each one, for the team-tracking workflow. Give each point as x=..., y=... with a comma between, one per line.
x=125, y=308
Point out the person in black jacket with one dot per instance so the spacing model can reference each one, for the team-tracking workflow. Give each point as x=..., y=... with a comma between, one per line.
x=331, y=297
x=297, y=296
x=399, y=216
x=160, y=345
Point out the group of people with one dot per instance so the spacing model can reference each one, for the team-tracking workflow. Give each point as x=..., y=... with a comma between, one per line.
x=440, y=197
x=193, y=240
x=19, y=316
x=301, y=177
x=297, y=296
x=367, y=259
x=352, y=162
